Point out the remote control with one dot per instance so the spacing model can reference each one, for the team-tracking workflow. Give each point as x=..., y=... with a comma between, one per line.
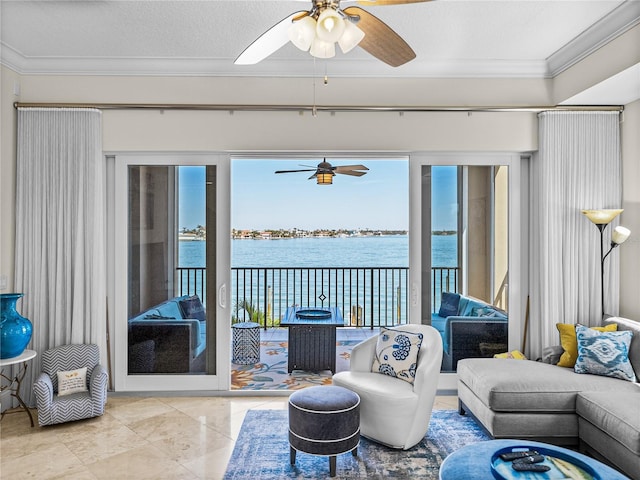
x=509, y=456
x=530, y=459
x=528, y=467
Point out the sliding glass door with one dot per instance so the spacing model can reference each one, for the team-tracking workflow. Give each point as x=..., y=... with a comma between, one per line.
x=172, y=260
x=467, y=208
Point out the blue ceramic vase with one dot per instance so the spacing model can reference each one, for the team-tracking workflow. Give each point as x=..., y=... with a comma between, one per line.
x=15, y=330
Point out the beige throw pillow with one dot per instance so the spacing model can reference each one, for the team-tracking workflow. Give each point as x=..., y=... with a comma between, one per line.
x=72, y=381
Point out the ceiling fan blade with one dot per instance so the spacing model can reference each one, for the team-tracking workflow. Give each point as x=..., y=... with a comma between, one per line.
x=354, y=173
x=366, y=3
x=269, y=42
x=342, y=168
x=313, y=176
x=380, y=40
x=294, y=171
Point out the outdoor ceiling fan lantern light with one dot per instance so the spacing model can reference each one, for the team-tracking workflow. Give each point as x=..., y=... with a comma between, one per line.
x=324, y=178
x=302, y=33
x=330, y=26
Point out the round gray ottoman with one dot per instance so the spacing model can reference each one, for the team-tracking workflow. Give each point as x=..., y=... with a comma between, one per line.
x=324, y=421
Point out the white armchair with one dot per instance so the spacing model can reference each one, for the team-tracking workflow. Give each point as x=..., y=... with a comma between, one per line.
x=392, y=411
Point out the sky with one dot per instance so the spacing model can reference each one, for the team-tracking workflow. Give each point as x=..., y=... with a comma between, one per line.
x=260, y=199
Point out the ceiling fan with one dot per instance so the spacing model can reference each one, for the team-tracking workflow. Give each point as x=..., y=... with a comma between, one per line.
x=317, y=31
x=325, y=172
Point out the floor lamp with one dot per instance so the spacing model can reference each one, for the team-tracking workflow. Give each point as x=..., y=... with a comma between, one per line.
x=602, y=218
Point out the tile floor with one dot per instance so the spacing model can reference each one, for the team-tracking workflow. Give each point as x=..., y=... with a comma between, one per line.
x=138, y=438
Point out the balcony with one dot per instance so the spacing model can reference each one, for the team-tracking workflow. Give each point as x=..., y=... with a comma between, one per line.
x=368, y=297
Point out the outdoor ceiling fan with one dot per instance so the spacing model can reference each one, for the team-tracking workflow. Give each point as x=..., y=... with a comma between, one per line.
x=325, y=172
x=318, y=30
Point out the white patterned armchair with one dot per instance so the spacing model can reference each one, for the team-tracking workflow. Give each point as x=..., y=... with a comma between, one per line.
x=393, y=411
x=82, y=394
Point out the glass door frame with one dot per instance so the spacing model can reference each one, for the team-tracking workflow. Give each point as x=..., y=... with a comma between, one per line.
x=518, y=222
x=118, y=304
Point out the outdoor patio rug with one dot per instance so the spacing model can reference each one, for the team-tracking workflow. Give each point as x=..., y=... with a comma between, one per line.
x=262, y=451
x=271, y=372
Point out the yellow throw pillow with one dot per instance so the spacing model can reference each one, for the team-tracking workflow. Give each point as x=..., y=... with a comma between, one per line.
x=570, y=343
x=514, y=354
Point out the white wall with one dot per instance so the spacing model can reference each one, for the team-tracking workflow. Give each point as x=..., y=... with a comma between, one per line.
x=630, y=218
x=7, y=175
x=242, y=130
x=290, y=131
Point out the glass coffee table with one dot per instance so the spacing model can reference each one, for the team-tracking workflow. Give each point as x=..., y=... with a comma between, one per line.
x=481, y=461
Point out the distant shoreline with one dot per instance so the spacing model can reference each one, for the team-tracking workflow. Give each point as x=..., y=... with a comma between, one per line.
x=296, y=234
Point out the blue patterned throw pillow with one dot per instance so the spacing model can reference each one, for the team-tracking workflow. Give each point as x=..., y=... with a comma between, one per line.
x=397, y=354
x=604, y=353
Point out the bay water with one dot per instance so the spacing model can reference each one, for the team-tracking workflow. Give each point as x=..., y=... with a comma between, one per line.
x=250, y=258
x=359, y=251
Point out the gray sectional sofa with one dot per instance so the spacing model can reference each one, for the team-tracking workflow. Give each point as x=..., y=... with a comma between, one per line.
x=543, y=402
x=469, y=328
x=169, y=337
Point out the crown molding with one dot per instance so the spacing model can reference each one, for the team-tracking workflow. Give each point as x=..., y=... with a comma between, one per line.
x=620, y=20
x=342, y=67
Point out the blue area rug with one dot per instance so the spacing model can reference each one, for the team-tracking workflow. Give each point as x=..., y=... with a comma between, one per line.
x=262, y=451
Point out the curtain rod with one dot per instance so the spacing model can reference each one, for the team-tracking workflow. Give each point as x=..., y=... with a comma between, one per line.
x=315, y=108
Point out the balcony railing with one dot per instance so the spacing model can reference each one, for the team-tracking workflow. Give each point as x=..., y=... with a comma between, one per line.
x=368, y=297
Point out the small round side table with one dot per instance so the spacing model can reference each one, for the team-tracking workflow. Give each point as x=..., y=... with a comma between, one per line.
x=14, y=382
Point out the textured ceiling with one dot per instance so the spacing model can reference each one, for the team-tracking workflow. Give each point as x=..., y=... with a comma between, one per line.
x=450, y=37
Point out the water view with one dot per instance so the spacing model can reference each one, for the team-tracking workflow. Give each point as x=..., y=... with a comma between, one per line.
x=366, y=277
x=371, y=251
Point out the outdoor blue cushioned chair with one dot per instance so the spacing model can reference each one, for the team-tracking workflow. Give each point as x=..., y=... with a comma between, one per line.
x=54, y=408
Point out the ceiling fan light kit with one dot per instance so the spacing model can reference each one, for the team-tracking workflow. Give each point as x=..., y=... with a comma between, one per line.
x=329, y=26
x=319, y=36
x=351, y=37
x=302, y=33
x=318, y=30
x=322, y=49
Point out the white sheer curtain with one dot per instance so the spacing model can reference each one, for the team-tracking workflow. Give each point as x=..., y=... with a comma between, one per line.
x=60, y=253
x=577, y=166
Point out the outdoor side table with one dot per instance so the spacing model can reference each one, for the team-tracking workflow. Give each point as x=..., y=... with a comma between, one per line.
x=246, y=343
x=14, y=382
